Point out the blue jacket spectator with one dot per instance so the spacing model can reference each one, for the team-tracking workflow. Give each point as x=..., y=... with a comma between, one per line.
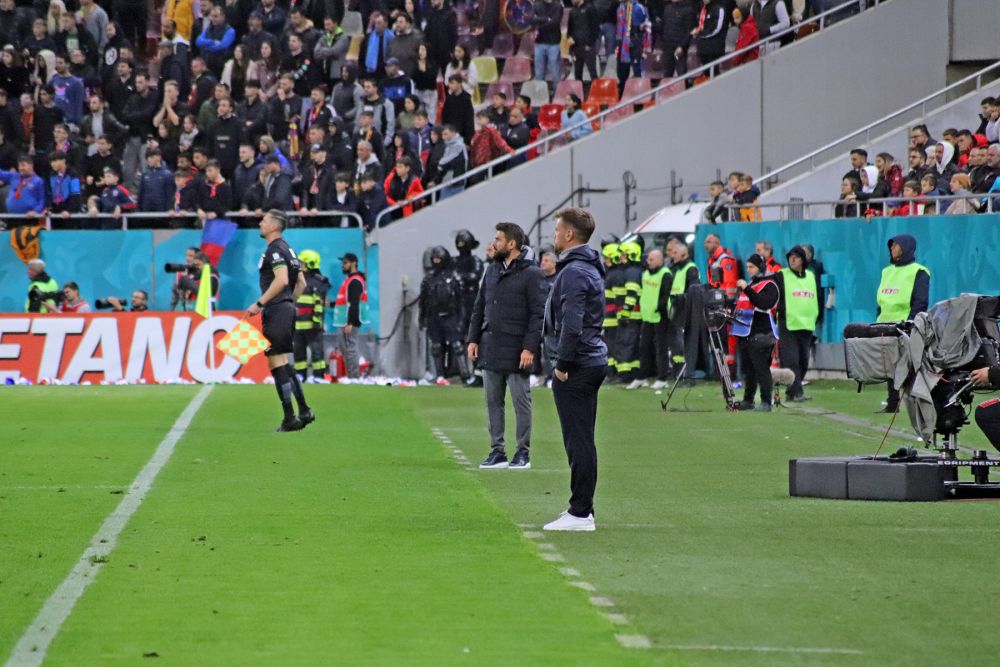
x=156, y=188
x=69, y=92
x=64, y=194
x=574, y=118
x=26, y=191
x=215, y=43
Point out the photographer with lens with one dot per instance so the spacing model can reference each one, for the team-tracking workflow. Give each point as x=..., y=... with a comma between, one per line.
x=756, y=331
x=43, y=291
x=188, y=281
x=72, y=301
x=139, y=303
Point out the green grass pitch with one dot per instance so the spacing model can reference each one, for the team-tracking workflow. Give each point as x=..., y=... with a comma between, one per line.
x=366, y=540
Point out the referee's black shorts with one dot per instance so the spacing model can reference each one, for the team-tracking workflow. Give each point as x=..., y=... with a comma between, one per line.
x=278, y=321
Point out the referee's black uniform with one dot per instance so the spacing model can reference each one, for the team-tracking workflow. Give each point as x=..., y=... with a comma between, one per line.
x=278, y=314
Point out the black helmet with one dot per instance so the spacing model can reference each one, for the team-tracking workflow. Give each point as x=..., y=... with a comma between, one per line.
x=440, y=252
x=464, y=239
x=608, y=239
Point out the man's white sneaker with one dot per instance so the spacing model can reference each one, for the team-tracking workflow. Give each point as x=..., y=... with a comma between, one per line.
x=660, y=384
x=637, y=384
x=569, y=523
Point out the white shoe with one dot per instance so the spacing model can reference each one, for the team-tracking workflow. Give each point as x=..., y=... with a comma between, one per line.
x=660, y=384
x=569, y=523
x=637, y=384
x=533, y=381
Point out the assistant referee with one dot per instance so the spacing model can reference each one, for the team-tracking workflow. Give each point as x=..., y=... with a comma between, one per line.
x=281, y=283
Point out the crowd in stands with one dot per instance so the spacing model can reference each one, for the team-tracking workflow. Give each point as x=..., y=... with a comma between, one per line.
x=964, y=163
x=198, y=108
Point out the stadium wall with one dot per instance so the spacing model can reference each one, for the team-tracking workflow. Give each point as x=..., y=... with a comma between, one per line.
x=759, y=115
x=113, y=263
x=959, y=251
x=975, y=25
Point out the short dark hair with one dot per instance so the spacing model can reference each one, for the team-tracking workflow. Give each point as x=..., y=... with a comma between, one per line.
x=200, y=149
x=717, y=184
x=213, y=163
x=860, y=151
x=405, y=161
x=913, y=185
x=456, y=77
x=525, y=99
x=988, y=100
x=422, y=112
x=449, y=126
x=575, y=98
x=930, y=178
x=278, y=215
x=512, y=232
x=920, y=128
x=144, y=293
x=57, y=155
x=72, y=285
x=500, y=94
x=580, y=220
x=342, y=176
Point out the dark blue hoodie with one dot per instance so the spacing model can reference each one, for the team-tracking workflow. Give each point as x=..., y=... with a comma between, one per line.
x=920, y=299
x=574, y=313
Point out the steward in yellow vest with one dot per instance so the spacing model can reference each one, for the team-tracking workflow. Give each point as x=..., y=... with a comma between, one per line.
x=799, y=310
x=903, y=292
x=654, y=307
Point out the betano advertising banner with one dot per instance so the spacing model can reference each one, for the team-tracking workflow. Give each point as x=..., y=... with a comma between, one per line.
x=152, y=347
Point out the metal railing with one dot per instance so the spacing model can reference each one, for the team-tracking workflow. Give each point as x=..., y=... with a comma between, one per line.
x=52, y=220
x=561, y=137
x=773, y=176
x=800, y=210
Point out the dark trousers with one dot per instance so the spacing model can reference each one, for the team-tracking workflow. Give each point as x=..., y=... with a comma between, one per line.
x=633, y=66
x=673, y=64
x=892, y=401
x=576, y=403
x=585, y=55
x=654, y=350
x=627, y=352
x=988, y=419
x=794, y=348
x=755, y=356
x=305, y=343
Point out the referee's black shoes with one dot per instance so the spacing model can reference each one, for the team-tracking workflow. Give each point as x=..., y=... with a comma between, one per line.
x=307, y=417
x=292, y=423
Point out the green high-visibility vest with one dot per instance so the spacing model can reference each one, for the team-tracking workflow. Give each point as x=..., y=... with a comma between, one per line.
x=679, y=286
x=650, y=295
x=48, y=286
x=801, y=304
x=895, y=291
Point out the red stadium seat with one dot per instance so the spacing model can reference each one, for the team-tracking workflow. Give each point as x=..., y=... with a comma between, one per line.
x=517, y=69
x=592, y=109
x=505, y=87
x=603, y=91
x=618, y=115
x=637, y=86
x=550, y=116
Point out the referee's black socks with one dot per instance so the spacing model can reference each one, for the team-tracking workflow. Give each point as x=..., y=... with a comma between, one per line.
x=300, y=397
x=283, y=385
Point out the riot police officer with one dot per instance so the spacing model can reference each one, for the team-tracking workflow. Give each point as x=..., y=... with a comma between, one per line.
x=309, y=315
x=441, y=314
x=470, y=271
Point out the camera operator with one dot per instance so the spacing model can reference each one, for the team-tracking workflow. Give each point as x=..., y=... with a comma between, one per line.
x=72, y=302
x=757, y=331
x=188, y=281
x=139, y=303
x=988, y=412
x=43, y=291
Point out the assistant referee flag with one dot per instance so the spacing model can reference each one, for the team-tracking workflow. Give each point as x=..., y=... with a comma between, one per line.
x=204, y=304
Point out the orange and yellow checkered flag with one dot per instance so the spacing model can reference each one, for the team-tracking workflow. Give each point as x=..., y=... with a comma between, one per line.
x=243, y=343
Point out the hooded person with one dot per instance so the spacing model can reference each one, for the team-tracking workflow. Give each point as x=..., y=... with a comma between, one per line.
x=800, y=309
x=756, y=330
x=944, y=168
x=348, y=95
x=903, y=291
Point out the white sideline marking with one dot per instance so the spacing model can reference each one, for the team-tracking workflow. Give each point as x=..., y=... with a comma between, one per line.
x=617, y=619
x=585, y=585
x=34, y=643
x=534, y=534
x=762, y=649
x=601, y=602
x=552, y=557
x=545, y=546
x=569, y=571
x=634, y=641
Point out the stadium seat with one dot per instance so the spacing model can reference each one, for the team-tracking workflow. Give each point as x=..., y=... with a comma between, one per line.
x=618, y=115
x=536, y=91
x=486, y=68
x=675, y=88
x=517, y=69
x=353, y=24
x=527, y=46
x=637, y=86
x=503, y=45
x=656, y=65
x=806, y=29
x=603, y=91
x=592, y=109
x=704, y=78
x=550, y=116
x=565, y=87
x=505, y=87
x=354, y=48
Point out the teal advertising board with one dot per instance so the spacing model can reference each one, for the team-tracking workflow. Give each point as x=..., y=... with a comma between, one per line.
x=113, y=263
x=962, y=252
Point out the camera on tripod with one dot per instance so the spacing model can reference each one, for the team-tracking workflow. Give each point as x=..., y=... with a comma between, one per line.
x=179, y=268
x=718, y=307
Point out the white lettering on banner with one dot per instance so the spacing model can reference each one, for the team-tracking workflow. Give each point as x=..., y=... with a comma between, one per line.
x=55, y=330
x=103, y=333
x=18, y=325
x=803, y=293
x=148, y=338
x=202, y=342
x=890, y=290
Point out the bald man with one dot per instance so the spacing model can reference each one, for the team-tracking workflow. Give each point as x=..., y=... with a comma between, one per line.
x=654, y=305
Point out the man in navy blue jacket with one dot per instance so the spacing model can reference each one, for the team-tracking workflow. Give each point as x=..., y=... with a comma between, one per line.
x=574, y=316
